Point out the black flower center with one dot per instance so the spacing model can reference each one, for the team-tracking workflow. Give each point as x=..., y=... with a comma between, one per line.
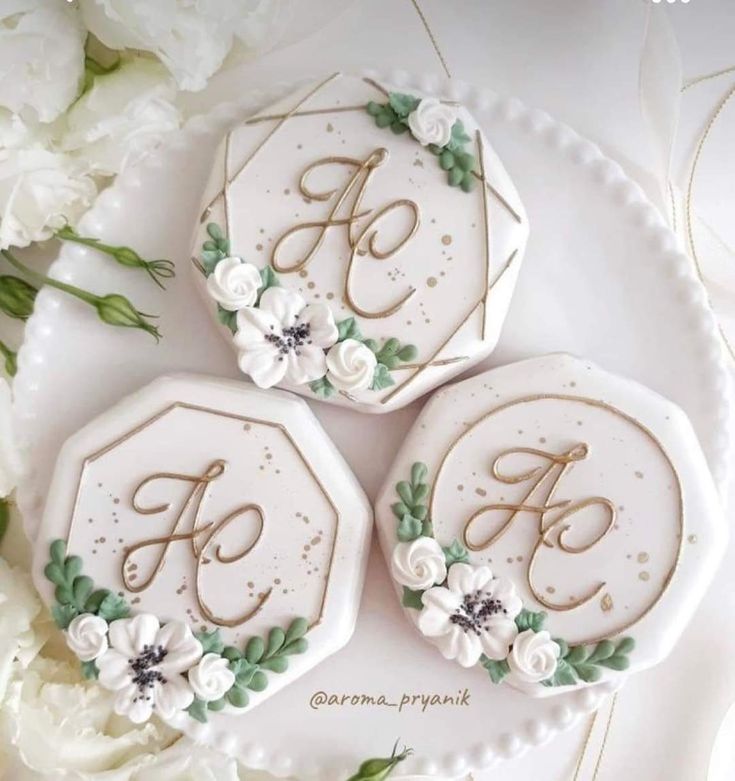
x=144, y=672
x=475, y=609
x=291, y=339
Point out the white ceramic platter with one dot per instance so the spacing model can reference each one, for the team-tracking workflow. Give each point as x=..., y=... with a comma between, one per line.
x=602, y=278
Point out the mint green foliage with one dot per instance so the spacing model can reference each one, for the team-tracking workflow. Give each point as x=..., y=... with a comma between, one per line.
x=497, y=670
x=453, y=158
x=251, y=665
x=75, y=592
x=585, y=663
x=411, y=511
x=389, y=356
x=379, y=769
x=412, y=598
x=527, y=619
x=215, y=248
x=323, y=388
x=456, y=553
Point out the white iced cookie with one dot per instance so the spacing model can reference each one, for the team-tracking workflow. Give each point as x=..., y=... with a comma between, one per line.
x=204, y=544
x=551, y=524
x=378, y=218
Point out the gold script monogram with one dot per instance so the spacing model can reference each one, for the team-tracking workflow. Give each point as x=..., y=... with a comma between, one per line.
x=361, y=241
x=555, y=518
x=202, y=538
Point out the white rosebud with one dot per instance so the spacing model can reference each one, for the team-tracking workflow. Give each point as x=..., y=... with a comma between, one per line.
x=534, y=656
x=431, y=122
x=212, y=678
x=234, y=284
x=86, y=635
x=419, y=564
x=351, y=365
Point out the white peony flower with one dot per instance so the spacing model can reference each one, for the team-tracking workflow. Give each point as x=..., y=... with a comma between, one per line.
x=283, y=338
x=57, y=725
x=419, y=564
x=351, y=365
x=431, y=122
x=40, y=192
x=11, y=462
x=189, y=761
x=144, y=664
x=212, y=678
x=41, y=57
x=122, y=117
x=472, y=615
x=86, y=636
x=234, y=284
x=534, y=656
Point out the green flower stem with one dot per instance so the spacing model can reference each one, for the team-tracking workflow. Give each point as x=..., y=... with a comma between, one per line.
x=380, y=768
x=112, y=309
x=125, y=256
x=11, y=359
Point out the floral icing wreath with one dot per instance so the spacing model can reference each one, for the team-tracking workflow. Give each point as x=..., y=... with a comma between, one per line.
x=473, y=617
x=281, y=337
x=162, y=668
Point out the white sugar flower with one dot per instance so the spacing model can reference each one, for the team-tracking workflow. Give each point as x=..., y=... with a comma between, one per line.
x=419, y=564
x=283, y=338
x=534, y=656
x=234, y=284
x=11, y=462
x=351, y=365
x=86, y=635
x=40, y=192
x=212, y=678
x=41, y=57
x=144, y=666
x=190, y=761
x=472, y=615
x=431, y=122
x=124, y=116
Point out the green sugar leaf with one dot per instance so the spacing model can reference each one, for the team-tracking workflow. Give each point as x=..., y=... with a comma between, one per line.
x=228, y=318
x=564, y=675
x=278, y=664
x=420, y=492
x=348, y=329
x=618, y=662
x=211, y=642
x=412, y=598
x=455, y=176
x=420, y=511
x=459, y=135
x=269, y=279
x=419, y=473
x=527, y=619
x=113, y=607
x=384, y=120
x=381, y=378
x=408, y=352
x=465, y=161
x=446, y=160
x=276, y=640
x=603, y=650
x=296, y=630
x=402, y=104
x=589, y=673
x=215, y=231
x=625, y=646
x=216, y=705
x=58, y=552
x=81, y=589
x=398, y=127
x=198, y=710
x=373, y=108
x=254, y=650
x=577, y=654
x=400, y=509
x=298, y=646
x=496, y=669
x=90, y=671
x=231, y=653
x=468, y=182
x=63, y=615
x=322, y=388
x=409, y=528
x=455, y=553
x=54, y=573
x=405, y=491
x=258, y=682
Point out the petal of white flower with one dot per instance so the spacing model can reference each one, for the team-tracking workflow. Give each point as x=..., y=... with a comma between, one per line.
x=305, y=364
x=264, y=363
x=283, y=304
x=114, y=669
x=129, y=635
x=173, y=696
x=323, y=331
x=11, y=463
x=469, y=649
x=433, y=621
x=442, y=598
x=252, y=326
x=497, y=637
x=183, y=650
x=130, y=703
x=465, y=578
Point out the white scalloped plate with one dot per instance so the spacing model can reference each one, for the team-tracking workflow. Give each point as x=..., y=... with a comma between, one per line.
x=603, y=278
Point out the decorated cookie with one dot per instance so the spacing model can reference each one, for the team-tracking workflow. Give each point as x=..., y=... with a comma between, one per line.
x=551, y=524
x=358, y=244
x=203, y=544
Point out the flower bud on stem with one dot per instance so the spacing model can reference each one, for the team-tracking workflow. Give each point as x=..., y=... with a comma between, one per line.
x=113, y=308
x=379, y=769
x=125, y=256
x=16, y=297
x=11, y=359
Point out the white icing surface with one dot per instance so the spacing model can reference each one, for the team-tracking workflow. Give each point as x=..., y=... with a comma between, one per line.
x=449, y=317
x=632, y=531
x=283, y=525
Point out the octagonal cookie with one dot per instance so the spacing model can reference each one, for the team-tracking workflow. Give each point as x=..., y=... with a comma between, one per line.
x=358, y=244
x=552, y=524
x=203, y=544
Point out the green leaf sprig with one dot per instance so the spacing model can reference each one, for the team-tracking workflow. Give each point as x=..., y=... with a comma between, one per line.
x=454, y=158
x=379, y=769
x=11, y=359
x=157, y=269
x=250, y=666
x=214, y=249
x=412, y=511
x=75, y=593
x=586, y=662
x=113, y=309
x=16, y=297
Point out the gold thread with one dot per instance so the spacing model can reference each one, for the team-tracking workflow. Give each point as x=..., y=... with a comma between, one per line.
x=308, y=113
x=272, y=131
x=585, y=746
x=377, y=86
x=431, y=38
x=486, y=231
x=198, y=265
x=707, y=77
x=592, y=403
x=442, y=362
x=218, y=413
x=605, y=736
x=226, y=188
x=688, y=209
x=513, y=213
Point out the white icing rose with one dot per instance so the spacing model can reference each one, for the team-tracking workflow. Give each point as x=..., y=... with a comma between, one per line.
x=234, y=284
x=431, y=122
x=419, y=564
x=86, y=635
x=534, y=656
x=211, y=679
x=470, y=616
x=351, y=365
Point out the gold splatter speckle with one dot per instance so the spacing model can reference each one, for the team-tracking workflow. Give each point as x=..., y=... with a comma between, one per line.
x=446, y=239
x=330, y=127
x=645, y=575
x=431, y=281
x=692, y=538
x=639, y=475
x=509, y=559
x=303, y=273
x=287, y=191
x=311, y=285
x=642, y=557
x=259, y=247
x=460, y=487
x=550, y=590
x=480, y=491
x=606, y=603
